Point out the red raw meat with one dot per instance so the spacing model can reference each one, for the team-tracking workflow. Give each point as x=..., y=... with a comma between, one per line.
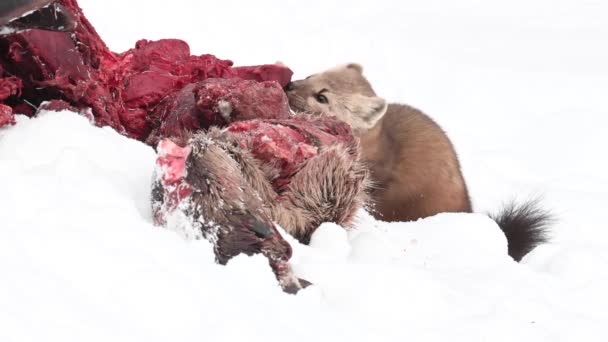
x=6, y=115
x=9, y=86
x=216, y=102
x=121, y=89
x=287, y=144
x=238, y=100
x=272, y=72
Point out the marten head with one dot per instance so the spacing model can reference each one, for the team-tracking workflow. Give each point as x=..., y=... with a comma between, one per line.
x=342, y=92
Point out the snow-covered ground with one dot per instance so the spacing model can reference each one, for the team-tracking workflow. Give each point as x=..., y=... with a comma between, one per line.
x=519, y=86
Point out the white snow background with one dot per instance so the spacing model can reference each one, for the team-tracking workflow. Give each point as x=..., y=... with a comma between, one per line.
x=521, y=87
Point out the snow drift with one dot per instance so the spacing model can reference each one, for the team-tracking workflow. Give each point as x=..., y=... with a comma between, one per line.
x=82, y=260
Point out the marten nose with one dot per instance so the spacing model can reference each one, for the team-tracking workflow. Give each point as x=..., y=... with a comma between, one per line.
x=290, y=86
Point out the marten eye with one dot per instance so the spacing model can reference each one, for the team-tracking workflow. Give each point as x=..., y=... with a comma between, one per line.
x=321, y=98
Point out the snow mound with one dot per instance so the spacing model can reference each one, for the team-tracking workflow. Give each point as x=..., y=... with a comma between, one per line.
x=81, y=260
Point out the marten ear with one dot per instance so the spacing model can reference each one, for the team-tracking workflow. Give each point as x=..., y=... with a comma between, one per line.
x=368, y=109
x=355, y=66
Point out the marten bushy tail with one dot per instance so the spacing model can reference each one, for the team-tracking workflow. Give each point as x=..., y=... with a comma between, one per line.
x=525, y=226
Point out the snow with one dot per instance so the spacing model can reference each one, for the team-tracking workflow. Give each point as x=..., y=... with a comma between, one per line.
x=7, y=30
x=520, y=88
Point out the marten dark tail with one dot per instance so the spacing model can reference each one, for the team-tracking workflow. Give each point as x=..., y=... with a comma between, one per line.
x=525, y=226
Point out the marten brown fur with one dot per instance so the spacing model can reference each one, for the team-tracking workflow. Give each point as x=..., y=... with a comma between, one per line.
x=414, y=168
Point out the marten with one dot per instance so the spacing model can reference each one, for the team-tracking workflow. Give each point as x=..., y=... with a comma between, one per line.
x=414, y=168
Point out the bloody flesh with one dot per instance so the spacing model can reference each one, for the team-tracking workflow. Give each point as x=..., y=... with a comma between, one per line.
x=158, y=90
x=122, y=89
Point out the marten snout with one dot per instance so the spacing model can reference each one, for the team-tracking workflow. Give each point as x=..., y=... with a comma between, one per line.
x=289, y=87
